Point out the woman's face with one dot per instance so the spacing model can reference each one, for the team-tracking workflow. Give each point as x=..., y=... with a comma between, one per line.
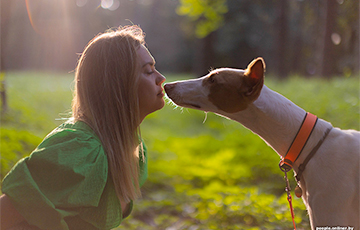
x=150, y=91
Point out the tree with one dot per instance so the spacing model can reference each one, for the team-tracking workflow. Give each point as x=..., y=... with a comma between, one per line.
x=282, y=38
x=5, y=11
x=205, y=17
x=329, y=58
x=208, y=15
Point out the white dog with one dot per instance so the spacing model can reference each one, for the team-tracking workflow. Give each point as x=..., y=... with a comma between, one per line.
x=330, y=181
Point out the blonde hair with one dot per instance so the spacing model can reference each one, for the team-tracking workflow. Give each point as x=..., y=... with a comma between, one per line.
x=105, y=97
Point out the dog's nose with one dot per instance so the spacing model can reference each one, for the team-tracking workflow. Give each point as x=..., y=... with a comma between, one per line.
x=169, y=87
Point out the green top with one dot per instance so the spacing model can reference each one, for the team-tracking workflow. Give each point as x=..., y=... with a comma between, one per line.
x=65, y=182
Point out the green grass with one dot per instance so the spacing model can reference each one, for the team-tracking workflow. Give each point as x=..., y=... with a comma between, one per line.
x=203, y=173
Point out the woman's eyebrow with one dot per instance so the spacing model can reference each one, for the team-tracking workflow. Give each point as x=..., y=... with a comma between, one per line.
x=151, y=63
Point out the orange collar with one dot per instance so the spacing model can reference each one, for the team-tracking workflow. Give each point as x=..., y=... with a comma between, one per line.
x=299, y=142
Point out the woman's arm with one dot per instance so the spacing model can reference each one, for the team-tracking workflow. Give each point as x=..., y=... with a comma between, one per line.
x=9, y=217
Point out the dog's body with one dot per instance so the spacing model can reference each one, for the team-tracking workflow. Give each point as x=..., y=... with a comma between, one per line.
x=330, y=182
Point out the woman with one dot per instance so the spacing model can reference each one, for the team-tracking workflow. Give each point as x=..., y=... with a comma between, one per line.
x=86, y=173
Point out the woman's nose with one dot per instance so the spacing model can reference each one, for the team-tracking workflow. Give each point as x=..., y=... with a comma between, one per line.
x=160, y=79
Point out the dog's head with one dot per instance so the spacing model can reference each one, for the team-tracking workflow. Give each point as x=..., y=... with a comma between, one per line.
x=225, y=89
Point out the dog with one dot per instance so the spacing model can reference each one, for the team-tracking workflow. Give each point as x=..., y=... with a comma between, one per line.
x=330, y=181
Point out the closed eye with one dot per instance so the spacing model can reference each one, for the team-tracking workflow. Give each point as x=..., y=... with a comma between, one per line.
x=149, y=68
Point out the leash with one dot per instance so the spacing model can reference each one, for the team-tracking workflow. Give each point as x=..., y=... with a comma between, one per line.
x=294, y=152
x=289, y=198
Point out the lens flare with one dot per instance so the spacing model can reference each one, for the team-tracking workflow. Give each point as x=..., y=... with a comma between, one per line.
x=336, y=38
x=30, y=15
x=110, y=4
x=105, y=4
x=81, y=3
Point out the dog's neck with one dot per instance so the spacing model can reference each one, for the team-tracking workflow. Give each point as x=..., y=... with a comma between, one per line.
x=277, y=120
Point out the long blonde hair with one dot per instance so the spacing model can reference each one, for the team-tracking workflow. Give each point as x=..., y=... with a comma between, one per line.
x=105, y=97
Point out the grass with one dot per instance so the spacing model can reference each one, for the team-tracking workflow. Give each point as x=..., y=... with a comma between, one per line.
x=203, y=173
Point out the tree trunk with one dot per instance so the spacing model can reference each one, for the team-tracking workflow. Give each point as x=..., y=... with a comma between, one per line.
x=282, y=36
x=328, y=67
x=204, y=55
x=5, y=15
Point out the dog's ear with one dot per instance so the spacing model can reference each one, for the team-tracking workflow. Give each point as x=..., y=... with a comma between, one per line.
x=254, y=77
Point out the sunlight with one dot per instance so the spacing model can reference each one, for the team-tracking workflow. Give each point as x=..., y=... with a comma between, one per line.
x=47, y=17
x=52, y=20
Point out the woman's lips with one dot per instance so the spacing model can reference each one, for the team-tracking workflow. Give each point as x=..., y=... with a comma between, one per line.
x=161, y=93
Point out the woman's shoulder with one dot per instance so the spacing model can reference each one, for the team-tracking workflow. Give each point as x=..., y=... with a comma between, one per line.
x=71, y=130
x=70, y=137
x=73, y=144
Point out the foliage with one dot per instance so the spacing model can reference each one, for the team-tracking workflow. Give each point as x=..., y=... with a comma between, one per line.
x=14, y=144
x=205, y=172
x=37, y=101
x=208, y=14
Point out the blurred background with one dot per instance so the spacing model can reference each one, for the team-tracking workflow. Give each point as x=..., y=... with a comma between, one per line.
x=205, y=172
x=319, y=37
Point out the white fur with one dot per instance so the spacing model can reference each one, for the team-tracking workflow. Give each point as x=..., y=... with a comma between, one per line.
x=330, y=182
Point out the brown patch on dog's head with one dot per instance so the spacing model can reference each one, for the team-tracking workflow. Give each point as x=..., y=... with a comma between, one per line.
x=233, y=90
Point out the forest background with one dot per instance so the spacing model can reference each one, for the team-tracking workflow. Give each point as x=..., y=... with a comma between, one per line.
x=205, y=172
x=309, y=38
